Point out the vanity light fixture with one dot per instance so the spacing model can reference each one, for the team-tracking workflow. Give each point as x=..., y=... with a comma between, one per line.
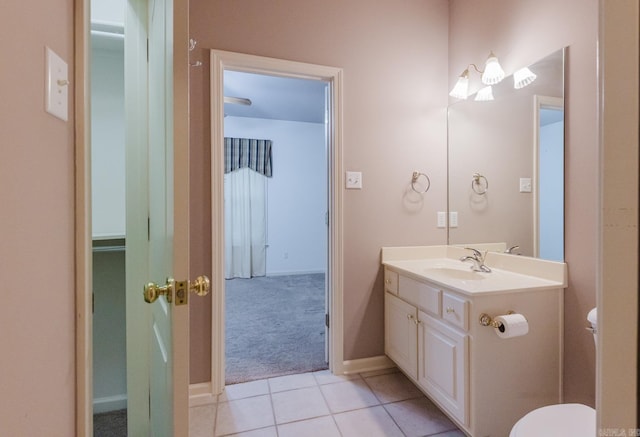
x=238, y=100
x=493, y=72
x=461, y=88
x=491, y=75
x=523, y=77
x=484, y=94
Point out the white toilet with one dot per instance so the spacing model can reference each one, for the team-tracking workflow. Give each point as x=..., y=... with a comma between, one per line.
x=562, y=420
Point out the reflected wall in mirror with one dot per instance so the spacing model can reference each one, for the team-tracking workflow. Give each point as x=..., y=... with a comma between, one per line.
x=506, y=165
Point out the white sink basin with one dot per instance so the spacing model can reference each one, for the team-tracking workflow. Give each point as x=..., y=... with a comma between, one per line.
x=456, y=274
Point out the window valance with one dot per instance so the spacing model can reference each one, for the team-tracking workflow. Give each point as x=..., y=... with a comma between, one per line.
x=247, y=153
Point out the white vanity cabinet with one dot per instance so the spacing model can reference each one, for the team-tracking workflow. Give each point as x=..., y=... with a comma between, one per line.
x=428, y=347
x=401, y=334
x=482, y=382
x=443, y=358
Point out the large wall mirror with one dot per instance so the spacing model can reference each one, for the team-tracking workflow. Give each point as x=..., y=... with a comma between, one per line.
x=506, y=165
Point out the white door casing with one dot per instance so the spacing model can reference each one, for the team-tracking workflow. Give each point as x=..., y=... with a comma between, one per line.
x=221, y=60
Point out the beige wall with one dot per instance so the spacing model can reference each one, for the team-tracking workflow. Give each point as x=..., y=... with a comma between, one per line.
x=37, y=364
x=394, y=56
x=520, y=33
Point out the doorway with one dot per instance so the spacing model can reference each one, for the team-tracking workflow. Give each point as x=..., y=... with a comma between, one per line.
x=276, y=225
x=227, y=61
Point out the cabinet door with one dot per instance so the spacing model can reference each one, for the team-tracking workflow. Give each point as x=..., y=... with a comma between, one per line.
x=401, y=334
x=443, y=364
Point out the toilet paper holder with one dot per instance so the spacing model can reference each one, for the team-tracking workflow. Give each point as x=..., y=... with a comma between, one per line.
x=487, y=320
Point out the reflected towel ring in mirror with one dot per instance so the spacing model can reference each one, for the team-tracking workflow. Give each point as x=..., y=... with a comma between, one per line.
x=414, y=180
x=477, y=186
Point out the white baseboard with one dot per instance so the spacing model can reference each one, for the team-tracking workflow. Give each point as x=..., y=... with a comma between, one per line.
x=380, y=362
x=201, y=394
x=109, y=403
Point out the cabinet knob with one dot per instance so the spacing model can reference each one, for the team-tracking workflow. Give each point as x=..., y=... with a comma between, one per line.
x=413, y=319
x=450, y=310
x=387, y=281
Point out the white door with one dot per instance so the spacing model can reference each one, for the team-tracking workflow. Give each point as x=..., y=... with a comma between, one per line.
x=157, y=218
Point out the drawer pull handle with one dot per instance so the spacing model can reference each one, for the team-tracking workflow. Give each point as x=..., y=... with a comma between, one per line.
x=450, y=310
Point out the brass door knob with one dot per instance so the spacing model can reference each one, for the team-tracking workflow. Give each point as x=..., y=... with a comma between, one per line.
x=200, y=286
x=153, y=291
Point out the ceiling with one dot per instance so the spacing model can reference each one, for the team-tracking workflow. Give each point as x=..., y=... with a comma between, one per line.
x=273, y=97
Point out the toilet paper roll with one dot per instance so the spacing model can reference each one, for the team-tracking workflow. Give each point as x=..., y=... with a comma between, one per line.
x=511, y=325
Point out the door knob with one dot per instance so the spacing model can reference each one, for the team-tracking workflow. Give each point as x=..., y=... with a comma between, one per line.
x=181, y=289
x=153, y=291
x=200, y=286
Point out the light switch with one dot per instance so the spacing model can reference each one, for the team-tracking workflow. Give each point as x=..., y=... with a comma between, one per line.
x=354, y=180
x=56, y=86
x=453, y=219
x=442, y=219
x=525, y=185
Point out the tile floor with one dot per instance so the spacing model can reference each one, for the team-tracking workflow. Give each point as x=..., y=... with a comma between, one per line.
x=320, y=404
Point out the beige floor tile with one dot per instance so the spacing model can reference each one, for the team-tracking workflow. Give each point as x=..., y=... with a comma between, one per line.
x=348, y=395
x=393, y=387
x=201, y=420
x=244, y=390
x=419, y=417
x=291, y=382
x=300, y=404
x=369, y=422
x=456, y=433
x=262, y=432
x=244, y=415
x=318, y=427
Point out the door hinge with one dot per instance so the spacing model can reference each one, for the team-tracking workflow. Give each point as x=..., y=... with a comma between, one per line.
x=326, y=320
x=148, y=228
x=147, y=50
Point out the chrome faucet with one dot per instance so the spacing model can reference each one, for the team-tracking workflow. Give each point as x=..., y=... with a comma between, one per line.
x=477, y=258
x=511, y=249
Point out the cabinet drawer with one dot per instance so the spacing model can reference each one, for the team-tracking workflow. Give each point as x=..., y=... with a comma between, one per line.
x=391, y=281
x=424, y=296
x=455, y=310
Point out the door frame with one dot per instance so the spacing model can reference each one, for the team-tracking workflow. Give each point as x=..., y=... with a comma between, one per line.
x=224, y=60
x=83, y=234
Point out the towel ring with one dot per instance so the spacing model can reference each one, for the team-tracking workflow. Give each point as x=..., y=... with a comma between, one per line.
x=477, y=186
x=414, y=178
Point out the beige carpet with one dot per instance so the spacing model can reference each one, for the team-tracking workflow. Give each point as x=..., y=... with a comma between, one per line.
x=275, y=326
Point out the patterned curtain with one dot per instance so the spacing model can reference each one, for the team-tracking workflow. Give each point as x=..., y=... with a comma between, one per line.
x=247, y=153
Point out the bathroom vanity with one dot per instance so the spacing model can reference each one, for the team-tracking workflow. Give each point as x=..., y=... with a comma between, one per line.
x=433, y=332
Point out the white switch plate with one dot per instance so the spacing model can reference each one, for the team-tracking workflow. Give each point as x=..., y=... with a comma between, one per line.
x=453, y=219
x=354, y=180
x=56, y=86
x=442, y=219
x=525, y=185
